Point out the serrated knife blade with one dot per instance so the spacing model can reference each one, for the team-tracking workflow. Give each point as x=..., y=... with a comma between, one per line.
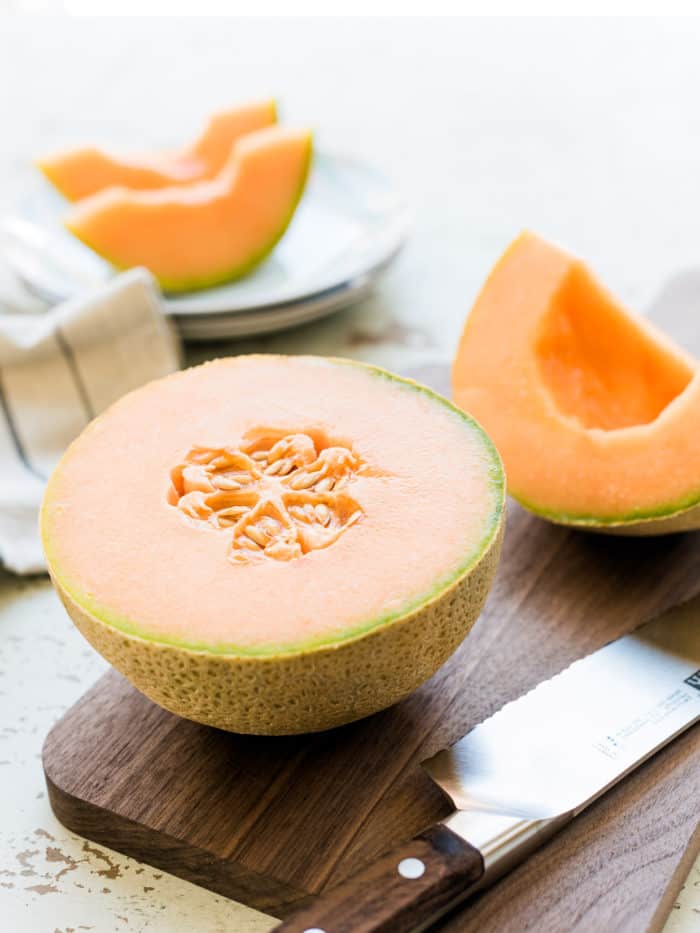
x=521, y=775
x=561, y=745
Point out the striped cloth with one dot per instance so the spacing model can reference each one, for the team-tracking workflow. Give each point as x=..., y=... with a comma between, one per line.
x=58, y=369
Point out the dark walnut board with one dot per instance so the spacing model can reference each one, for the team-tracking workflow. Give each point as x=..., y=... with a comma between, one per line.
x=272, y=822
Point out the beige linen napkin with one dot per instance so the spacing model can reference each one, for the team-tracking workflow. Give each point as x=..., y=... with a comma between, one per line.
x=58, y=369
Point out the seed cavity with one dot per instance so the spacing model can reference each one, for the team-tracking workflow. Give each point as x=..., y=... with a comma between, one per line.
x=280, y=495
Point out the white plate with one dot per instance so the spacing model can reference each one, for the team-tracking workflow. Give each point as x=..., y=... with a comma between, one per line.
x=280, y=317
x=349, y=225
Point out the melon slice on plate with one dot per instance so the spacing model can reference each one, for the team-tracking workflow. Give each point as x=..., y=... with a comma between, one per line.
x=593, y=410
x=85, y=171
x=210, y=232
x=276, y=544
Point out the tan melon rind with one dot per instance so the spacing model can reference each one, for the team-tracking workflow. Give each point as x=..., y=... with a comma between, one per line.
x=689, y=520
x=305, y=691
x=673, y=523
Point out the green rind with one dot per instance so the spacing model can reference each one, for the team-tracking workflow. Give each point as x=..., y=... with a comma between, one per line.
x=636, y=517
x=496, y=483
x=238, y=272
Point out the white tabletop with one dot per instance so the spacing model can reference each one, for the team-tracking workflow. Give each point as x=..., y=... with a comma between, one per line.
x=586, y=131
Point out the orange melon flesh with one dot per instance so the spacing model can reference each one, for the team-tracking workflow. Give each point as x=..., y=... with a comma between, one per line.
x=426, y=485
x=210, y=232
x=592, y=408
x=82, y=172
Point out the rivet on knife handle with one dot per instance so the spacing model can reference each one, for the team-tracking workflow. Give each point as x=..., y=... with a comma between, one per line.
x=402, y=891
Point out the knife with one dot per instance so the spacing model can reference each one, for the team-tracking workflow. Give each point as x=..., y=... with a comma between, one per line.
x=523, y=774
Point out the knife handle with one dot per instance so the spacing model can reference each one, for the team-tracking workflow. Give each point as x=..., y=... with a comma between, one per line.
x=402, y=891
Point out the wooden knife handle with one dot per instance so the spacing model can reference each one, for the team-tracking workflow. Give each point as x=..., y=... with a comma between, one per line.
x=402, y=891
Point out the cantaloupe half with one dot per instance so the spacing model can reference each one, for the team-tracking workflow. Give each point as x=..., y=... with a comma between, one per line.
x=81, y=172
x=210, y=232
x=276, y=544
x=593, y=410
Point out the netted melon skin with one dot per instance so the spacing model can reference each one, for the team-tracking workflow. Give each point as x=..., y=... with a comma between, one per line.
x=309, y=691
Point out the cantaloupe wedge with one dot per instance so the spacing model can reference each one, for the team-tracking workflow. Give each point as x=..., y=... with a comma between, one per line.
x=85, y=171
x=276, y=544
x=210, y=232
x=594, y=411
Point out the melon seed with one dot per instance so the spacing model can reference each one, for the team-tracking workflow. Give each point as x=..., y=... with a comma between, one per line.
x=231, y=515
x=274, y=468
x=323, y=514
x=257, y=534
x=303, y=480
x=225, y=482
x=270, y=525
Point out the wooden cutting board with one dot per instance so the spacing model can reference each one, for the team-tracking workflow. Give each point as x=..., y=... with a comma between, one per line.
x=272, y=822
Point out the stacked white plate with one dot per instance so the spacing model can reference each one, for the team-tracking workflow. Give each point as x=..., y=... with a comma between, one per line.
x=349, y=226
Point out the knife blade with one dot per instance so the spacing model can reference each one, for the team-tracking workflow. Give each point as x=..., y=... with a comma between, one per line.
x=521, y=775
